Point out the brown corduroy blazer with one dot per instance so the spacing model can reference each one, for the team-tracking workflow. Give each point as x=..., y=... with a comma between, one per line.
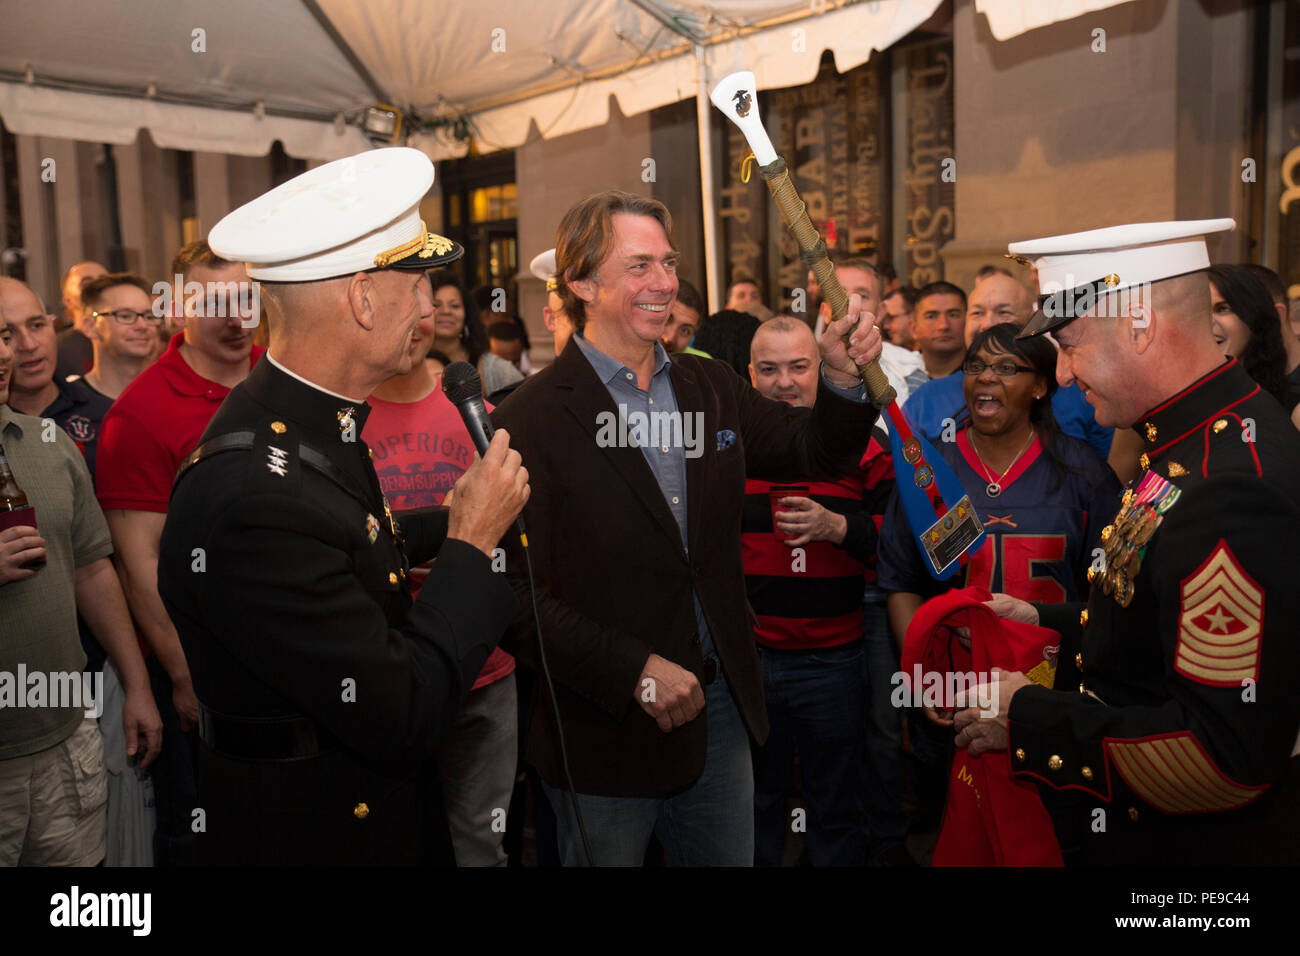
x=613, y=582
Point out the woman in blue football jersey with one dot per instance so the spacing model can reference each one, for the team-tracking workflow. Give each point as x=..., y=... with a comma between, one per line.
x=1042, y=495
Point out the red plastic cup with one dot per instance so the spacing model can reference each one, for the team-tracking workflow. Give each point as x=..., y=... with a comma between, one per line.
x=775, y=494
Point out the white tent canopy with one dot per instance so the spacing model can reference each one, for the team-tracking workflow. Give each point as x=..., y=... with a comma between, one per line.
x=234, y=77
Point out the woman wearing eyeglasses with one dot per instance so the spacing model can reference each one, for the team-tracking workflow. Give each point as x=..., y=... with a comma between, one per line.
x=1043, y=497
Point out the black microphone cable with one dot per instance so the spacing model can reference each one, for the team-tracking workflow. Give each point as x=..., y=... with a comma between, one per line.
x=461, y=383
x=550, y=689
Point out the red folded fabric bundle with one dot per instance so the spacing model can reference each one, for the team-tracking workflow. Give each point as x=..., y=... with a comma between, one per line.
x=991, y=819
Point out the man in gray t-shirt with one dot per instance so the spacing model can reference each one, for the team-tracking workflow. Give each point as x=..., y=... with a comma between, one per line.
x=52, y=786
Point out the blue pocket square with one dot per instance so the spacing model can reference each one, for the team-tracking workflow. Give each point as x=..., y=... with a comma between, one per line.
x=726, y=438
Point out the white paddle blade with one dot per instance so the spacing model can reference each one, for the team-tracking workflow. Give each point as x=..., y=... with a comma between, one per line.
x=735, y=96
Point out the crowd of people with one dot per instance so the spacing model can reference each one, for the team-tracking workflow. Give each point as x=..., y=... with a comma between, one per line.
x=629, y=694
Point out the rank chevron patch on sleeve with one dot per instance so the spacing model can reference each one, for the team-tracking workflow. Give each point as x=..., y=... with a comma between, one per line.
x=1220, y=621
x=1174, y=774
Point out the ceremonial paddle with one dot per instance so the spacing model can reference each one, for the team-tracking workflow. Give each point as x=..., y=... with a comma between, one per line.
x=938, y=509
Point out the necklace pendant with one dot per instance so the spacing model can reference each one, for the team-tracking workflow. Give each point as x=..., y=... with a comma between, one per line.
x=993, y=490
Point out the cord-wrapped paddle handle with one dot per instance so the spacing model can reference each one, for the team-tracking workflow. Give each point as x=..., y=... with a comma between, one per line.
x=812, y=250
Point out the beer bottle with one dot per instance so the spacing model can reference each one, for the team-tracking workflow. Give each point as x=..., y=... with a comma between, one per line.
x=14, y=507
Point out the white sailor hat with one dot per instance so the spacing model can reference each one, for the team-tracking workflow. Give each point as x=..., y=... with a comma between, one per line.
x=1075, y=271
x=351, y=215
x=543, y=266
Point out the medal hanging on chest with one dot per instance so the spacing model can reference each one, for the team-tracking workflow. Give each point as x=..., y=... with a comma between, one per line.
x=994, y=487
x=1126, y=539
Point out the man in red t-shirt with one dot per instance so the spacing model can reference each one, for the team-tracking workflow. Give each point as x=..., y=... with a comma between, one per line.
x=421, y=448
x=143, y=440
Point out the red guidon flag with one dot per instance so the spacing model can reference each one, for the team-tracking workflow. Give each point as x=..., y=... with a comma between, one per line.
x=992, y=818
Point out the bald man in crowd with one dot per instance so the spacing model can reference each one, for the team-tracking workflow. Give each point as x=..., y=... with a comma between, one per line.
x=826, y=664
x=76, y=353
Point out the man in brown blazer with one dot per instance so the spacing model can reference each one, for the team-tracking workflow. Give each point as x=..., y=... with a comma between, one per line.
x=637, y=465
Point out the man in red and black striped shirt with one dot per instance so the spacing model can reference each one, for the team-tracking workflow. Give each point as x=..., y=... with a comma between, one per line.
x=809, y=547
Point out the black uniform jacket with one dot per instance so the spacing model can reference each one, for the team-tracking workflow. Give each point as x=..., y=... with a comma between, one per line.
x=323, y=690
x=1175, y=738
x=613, y=582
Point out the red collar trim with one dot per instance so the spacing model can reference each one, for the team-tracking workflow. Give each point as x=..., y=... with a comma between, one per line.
x=1190, y=388
x=1203, y=422
x=1018, y=469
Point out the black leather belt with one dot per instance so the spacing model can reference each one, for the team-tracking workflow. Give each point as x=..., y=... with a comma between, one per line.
x=262, y=738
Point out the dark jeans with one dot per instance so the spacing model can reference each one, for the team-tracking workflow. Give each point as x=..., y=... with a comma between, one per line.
x=816, y=705
x=886, y=821
x=706, y=824
x=175, y=777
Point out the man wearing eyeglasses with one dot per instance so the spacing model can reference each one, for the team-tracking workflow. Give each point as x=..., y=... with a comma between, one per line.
x=122, y=324
x=117, y=317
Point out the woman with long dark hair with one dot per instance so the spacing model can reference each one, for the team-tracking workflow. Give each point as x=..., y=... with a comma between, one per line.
x=1246, y=327
x=457, y=329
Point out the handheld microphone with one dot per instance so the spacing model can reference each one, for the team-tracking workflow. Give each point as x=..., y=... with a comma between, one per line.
x=464, y=389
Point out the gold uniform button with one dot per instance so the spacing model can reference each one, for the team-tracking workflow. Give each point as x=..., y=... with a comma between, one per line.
x=1083, y=618
x=1020, y=755
x=1078, y=661
x=278, y=427
x=1054, y=762
x=392, y=577
x=1133, y=814
x=402, y=575
x=1086, y=773
x=372, y=452
x=1082, y=689
x=1220, y=425
x=361, y=811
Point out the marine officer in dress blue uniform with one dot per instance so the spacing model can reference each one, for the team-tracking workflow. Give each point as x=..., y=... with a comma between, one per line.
x=323, y=689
